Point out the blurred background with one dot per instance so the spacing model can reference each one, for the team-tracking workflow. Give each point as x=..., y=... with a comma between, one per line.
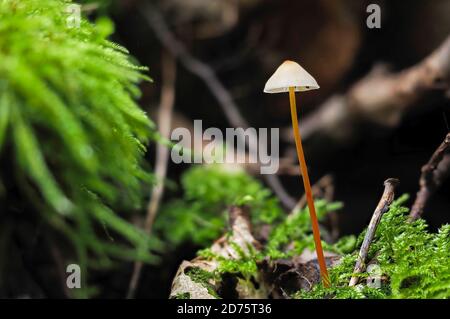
x=244, y=41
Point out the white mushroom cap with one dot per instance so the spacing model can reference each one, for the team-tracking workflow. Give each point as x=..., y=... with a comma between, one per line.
x=290, y=74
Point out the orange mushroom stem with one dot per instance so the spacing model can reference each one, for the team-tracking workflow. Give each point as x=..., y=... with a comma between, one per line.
x=308, y=192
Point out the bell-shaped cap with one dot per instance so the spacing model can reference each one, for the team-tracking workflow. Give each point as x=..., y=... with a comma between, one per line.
x=290, y=74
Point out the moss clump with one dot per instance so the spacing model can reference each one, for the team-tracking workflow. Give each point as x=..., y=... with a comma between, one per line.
x=204, y=278
x=295, y=231
x=245, y=266
x=185, y=295
x=71, y=134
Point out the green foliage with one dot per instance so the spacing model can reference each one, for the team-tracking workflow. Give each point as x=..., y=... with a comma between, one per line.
x=101, y=6
x=69, y=126
x=414, y=260
x=201, y=215
x=295, y=231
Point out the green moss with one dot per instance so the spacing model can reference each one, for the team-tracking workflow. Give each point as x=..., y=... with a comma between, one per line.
x=202, y=213
x=245, y=266
x=295, y=231
x=185, y=295
x=202, y=277
x=413, y=261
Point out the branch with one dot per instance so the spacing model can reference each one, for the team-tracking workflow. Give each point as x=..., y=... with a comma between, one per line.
x=162, y=155
x=433, y=174
x=156, y=21
x=231, y=246
x=381, y=97
x=323, y=188
x=382, y=207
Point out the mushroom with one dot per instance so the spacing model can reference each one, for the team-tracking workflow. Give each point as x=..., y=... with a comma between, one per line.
x=291, y=77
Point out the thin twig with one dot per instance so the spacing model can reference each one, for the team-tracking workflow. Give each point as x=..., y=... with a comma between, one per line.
x=333, y=218
x=433, y=174
x=380, y=97
x=162, y=154
x=382, y=207
x=156, y=21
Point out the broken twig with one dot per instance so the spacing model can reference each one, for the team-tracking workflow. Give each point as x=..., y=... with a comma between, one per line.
x=382, y=207
x=433, y=174
x=228, y=247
